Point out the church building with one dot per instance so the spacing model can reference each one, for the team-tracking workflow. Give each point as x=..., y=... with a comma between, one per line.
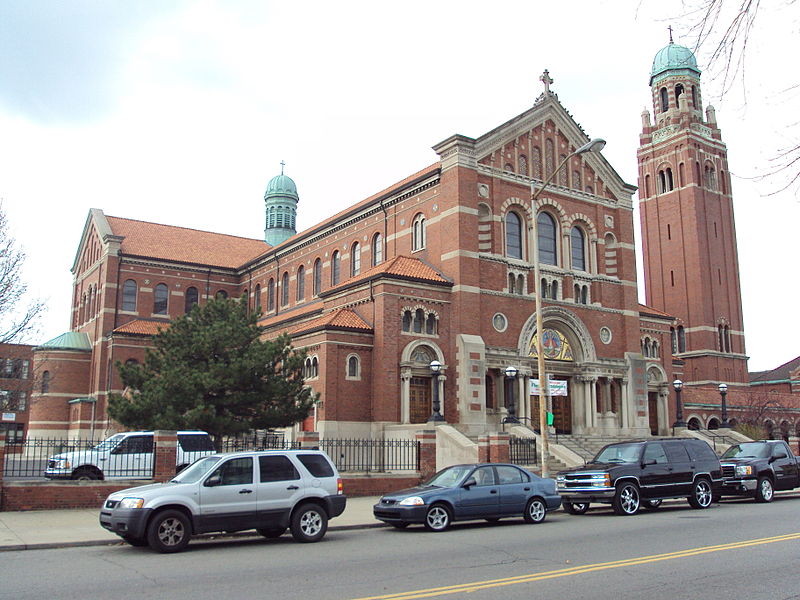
x=419, y=302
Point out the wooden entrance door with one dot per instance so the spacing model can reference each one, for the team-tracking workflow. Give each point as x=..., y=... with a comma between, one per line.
x=420, y=399
x=652, y=409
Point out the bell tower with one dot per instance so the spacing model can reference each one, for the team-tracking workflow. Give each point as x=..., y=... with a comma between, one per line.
x=688, y=232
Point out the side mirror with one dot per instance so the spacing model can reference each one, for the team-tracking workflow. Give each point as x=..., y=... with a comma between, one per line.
x=213, y=481
x=469, y=483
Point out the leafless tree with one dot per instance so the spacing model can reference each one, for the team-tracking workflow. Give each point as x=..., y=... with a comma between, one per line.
x=18, y=313
x=726, y=29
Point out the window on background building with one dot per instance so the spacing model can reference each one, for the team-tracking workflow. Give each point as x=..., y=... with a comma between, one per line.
x=578, y=249
x=129, y=290
x=418, y=233
x=336, y=267
x=285, y=288
x=190, y=299
x=160, y=296
x=547, y=239
x=513, y=235
x=355, y=259
x=377, y=249
x=317, y=277
x=301, y=283
x=271, y=295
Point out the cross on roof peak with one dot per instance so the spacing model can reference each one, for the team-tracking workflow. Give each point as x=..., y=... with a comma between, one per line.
x=546, y=80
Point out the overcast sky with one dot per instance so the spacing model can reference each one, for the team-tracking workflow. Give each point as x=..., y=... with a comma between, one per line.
x=180, y=112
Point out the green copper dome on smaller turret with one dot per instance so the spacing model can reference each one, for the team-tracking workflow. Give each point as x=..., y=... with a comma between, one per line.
x=673, y=57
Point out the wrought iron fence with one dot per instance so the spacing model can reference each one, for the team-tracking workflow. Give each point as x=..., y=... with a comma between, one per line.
x=359, y=455
x=522, y=451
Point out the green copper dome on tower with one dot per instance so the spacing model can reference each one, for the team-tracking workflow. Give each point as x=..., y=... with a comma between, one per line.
x=673, y=57
x=280, y=202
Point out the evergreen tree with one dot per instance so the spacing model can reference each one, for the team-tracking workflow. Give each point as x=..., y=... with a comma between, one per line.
x=211, y=370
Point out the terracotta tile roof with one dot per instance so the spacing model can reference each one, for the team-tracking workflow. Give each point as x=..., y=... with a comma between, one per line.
x=399, y=267
x=185, y=245
x=142, y=327
x=649, y=310
x=343, y=318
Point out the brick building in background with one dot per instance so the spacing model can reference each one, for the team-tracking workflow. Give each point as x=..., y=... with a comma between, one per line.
x=438, y=267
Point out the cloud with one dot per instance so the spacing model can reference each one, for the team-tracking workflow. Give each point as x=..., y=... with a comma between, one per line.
x=60, y=61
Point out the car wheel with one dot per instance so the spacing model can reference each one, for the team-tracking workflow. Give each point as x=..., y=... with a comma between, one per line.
x=576, y=508
x=764, y=490
x=309, y=523
x=399, y=525
x=701, y=494
x=652, y=504
x=626, y=500
x=437, y=518
x=535, y=511
x=169, y=531
x=273, y=532
x=134, y=541
x=86, y=475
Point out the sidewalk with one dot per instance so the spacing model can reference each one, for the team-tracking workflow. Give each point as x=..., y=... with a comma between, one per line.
x=38, y=529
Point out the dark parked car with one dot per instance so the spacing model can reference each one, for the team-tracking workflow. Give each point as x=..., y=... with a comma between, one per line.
x=488, y=491
x=628, y=475
x=758, y=469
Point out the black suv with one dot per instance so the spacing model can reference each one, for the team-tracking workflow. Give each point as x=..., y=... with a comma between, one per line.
x=628, y=475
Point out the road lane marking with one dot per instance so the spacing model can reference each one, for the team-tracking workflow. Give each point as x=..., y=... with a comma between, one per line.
x=533, y=577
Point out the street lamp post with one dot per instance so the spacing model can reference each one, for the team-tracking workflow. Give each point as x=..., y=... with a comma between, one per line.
x=436, y=368
x=511, y=380
x=594, y=145
x=723, y=391
x=679, y=422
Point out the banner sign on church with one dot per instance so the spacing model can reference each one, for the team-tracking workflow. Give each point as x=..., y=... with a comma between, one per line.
x=557, y=387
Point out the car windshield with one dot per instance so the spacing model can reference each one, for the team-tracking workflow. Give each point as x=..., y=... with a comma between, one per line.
x=110, y=443
x=748, y=450
x=196, y=470
x=619, y=453
x=449, y=477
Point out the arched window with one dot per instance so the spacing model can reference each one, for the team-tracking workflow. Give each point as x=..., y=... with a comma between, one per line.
x=257, y=298
x=355, y=259
x=664, y=100
x=353, y=367
x=377, y=249
x=129, y=296
x=285, y=288
x=419, y=320
x=45, y=382
x=317, y=277
x=578, y=249
x=513, y=235
x=335, y=267
x=430, y=324
x=407, y=320
x=681, y=339
x=190, y=299
x=418, y=233
x=301, y=283
x=160, y=299
x=271, y=295
x=547, y=239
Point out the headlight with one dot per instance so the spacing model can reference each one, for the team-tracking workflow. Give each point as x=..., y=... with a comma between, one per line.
x=131, y=503
x=743, y=470
x=412, y=501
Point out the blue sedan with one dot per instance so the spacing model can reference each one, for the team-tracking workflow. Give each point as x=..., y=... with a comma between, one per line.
x=488, y=491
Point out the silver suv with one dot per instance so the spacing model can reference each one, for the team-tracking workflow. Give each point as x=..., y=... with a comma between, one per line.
x=269, y=491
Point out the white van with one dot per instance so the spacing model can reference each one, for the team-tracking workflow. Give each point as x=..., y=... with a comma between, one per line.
x=127, y=455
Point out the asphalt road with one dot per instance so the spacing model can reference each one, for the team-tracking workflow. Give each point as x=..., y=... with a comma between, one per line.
x=738, y=549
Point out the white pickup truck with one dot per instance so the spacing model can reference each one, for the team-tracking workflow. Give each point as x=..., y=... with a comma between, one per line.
x=127, y=455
